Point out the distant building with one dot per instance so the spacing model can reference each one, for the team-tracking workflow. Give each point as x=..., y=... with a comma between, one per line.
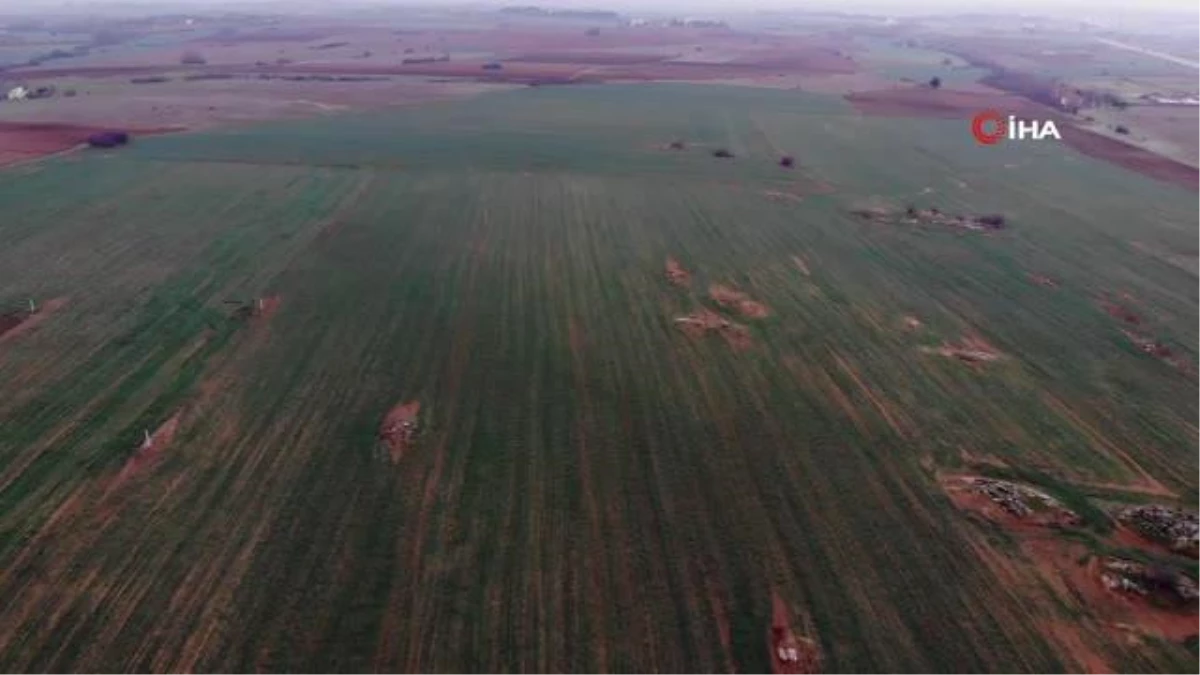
x=17, y=93
x=704, y=23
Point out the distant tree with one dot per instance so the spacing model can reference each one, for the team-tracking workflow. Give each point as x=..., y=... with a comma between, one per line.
x=787, y=161
x=193, y=59
x=723, y=153
x=1122, y=129
x=935, y=82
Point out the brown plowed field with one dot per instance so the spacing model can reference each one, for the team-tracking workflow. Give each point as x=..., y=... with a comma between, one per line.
x=21, y=141
x=591, y=58
x=1131, y=157
x=946, y=103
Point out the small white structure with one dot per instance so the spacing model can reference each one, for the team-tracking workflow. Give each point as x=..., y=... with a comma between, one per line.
x=17, y=93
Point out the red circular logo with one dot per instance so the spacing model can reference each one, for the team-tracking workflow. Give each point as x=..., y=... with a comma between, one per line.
x=988, y=127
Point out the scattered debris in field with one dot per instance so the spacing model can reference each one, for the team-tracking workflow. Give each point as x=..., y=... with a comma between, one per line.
x=1177, y=530
x=911, y=322
x=676, y=274
x=730, y=298
x=151, y=448
x=1024, y=502
x=790, y=652
x=703, y=321
x=1042, y=280
x=1160, y=351
x=875, y=213
x=933, y=216
x=802, y=265
x=399, y=428
x=261, y=307
x=1160, y=583
x=677, y=145
x=970, y=350
x=776, y=196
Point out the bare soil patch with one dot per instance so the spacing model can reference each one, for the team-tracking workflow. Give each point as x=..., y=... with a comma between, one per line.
x=790, y=651
x=1106, y=587
x=15, y=323
x=738, y=301
x=704, y=321
x=1123, y=595
x=971, y=350
x=151, y=448
x=399, y=428
x=676, y=274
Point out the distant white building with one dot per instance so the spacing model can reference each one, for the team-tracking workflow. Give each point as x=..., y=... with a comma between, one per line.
x=17, y=93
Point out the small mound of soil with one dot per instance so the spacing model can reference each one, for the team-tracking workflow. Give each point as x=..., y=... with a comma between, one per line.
x=704, y=321
x=738, y=301
x=399, y=428
x=676, y=274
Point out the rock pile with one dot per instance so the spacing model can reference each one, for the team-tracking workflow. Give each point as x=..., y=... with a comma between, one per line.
x=1176, y=529
x=1127, y=576
x=1024, y=502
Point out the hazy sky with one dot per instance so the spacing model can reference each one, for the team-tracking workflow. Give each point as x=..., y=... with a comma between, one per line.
x=1083, y=9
